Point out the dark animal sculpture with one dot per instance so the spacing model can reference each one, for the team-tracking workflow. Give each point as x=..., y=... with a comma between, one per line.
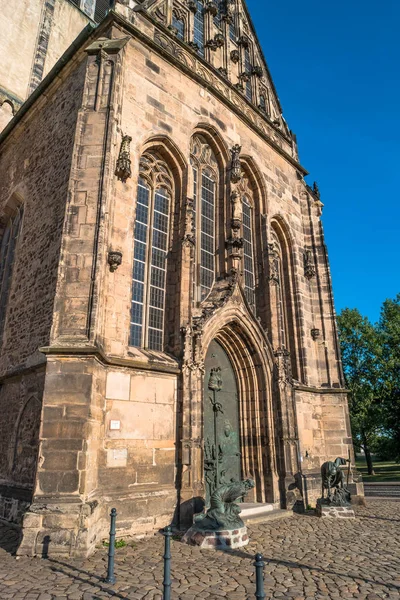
x=332, y=476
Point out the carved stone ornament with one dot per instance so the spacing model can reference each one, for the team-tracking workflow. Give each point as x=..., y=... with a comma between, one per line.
x=316, y=190
x=315, y=334
x=257, y=70
x=244, y=76
x=243, y=41
x=237, y=210
x=223, y=71
x=189, y=238
x=273, y=256
x=284, y=368
x=229, y=11
x=236, y=168
x=114, y=260
x=192, y=6
x=235, y=56
x=216, y=43
x=123, y=168
x=239, y=86
x=194, y=46
x=309, y=268
x=236, y=243
x=211, y=7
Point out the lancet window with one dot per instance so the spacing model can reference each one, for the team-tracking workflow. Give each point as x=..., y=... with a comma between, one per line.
x=204, y=169
x=247, y=69
x=7, y=255
x=198, y=34
x=277, y=278
x=179, y=24
x=151, y=242
x=221, y=5
x=248, y=251
x=246, y=195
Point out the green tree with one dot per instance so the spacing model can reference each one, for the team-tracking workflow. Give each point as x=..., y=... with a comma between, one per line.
x=389, y=332
x=361, y=351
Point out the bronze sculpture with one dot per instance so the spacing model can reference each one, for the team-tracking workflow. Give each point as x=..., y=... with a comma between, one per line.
x=224, y=511
x=333, y=481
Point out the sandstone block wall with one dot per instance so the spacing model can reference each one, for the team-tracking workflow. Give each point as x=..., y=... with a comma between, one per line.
x=35, y=165
x=34, y=36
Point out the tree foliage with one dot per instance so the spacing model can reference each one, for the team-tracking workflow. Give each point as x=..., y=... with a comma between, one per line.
x=371, y=364
x=389, y=333
x=361, y=355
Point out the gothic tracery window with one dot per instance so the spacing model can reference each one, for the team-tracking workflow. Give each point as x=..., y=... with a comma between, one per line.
x=221, y=11
x=151, y=242
x=248, y=251
x=247, y=70
x=249, y=281
x=278, y=280
x=179, y=24
x=204, y=168
x=7, y=256
x=198, y=34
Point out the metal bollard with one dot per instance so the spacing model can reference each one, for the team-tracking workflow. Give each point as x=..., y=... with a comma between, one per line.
x=259, y=565
x=167, y=564
x=111, y=549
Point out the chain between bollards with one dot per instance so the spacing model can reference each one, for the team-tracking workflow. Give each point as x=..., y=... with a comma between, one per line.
x=111, y=549
x=167, y=564
x=259, y=565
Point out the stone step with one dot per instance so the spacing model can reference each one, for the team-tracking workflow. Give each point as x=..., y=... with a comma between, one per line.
x=259, y=513
x=384, y=490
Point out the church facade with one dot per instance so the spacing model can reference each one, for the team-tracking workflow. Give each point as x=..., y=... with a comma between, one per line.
x=167, y=322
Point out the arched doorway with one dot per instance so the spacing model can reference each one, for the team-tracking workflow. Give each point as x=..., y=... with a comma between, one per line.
x=222, y=456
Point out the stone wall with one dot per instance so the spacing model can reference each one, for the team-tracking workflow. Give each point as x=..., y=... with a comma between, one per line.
x=35, y=162
x=38, y=183
x=113, y=421
x=36, y=34
x=21, y=407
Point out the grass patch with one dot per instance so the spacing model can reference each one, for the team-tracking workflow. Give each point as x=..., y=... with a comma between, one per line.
x=117, y=544
x=384, y=470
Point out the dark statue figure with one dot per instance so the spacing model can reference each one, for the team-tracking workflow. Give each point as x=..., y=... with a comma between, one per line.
x=123, y=168
x=333, y=481
x=236, y=168
x=224, y=511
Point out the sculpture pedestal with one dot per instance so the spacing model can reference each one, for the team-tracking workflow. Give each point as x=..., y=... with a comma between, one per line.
x=335, y=512
x=222, y=540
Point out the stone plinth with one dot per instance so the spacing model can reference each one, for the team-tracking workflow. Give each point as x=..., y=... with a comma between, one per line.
x=335, y=512
x=212, y=540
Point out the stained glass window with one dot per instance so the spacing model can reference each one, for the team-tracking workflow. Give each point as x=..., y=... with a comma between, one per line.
x=221, y=11
x=151, y=238
x=204, y=204
x=7, y=255
x=248, y=253
x=198, y=36
x=247, y=69
x=179, y=25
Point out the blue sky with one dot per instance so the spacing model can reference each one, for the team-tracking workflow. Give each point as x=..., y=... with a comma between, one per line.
x=336, y=70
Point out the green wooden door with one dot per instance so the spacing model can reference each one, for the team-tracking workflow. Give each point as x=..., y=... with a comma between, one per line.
x=222, y=461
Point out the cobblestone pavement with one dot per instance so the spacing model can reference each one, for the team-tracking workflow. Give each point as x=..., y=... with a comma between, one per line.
x=306, y=558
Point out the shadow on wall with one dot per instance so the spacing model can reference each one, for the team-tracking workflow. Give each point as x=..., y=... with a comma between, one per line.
x=184, y=511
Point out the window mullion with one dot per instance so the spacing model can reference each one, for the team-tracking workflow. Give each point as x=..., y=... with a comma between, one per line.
x=147, y=275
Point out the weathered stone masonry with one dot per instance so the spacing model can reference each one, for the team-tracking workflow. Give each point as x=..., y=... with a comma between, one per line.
x=110, y=424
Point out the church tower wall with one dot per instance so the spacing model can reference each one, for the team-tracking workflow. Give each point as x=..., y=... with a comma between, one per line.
x=122, y=424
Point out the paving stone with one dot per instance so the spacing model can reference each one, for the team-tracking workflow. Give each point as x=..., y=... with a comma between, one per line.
x=305, y=559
